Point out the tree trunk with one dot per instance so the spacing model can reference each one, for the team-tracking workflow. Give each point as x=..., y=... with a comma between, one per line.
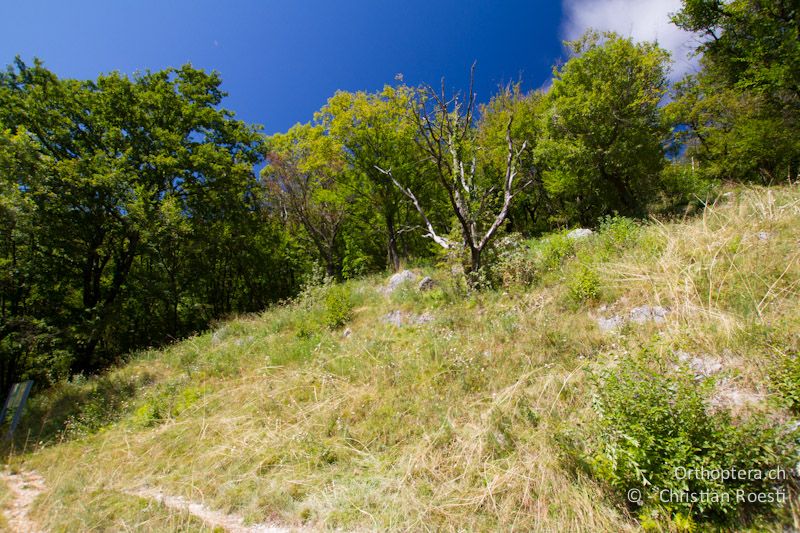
x=393, y=255
x=330, y=267
x=623, y=192
x=475, y=260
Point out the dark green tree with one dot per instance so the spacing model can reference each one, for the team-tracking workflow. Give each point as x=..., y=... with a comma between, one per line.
x=740, y=116
x=130, y=208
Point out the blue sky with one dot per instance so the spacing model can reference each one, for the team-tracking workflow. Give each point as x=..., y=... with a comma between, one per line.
x=280, y=60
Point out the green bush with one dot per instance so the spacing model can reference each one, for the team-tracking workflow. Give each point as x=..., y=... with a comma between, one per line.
x=166, y=403
x=681, y=186
x=338, y=307
x=513, y=264
x=655, y=441
x=355, y=262
x=584, y=285
x=785, y=381
x=554, y=250
x=618, y=232
x=88, y=405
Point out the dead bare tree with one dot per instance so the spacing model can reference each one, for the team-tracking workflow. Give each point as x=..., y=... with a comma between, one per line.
x=447, y=137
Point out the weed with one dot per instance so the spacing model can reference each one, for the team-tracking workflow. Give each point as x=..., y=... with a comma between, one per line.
x=583, y=285
x=785, y=381
x=338, y=307
x=655, y=436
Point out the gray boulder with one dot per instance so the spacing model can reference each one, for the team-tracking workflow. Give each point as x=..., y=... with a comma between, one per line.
x=645, y=313
x=424, y=318
x=579, y=233
x=399, y=318
x=701, y=366
x=426, y=284
x=399, y=279
x=609, y=324
x=394, y=318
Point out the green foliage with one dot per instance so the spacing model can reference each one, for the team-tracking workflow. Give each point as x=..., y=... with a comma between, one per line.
x=742, y=108
x=654, y=427
x=785, y=380
x=683, y=186
x=731, y=134
x=166, y=403
x=355, y=262
x=375, y=134
x=304, y=174
x=602, y=148
x=584, y=285
x=81, y=406
x=514, y=264
x=130, y=215
x=755, y=44
x=554, y=250
x=479, y=191
x=533, y=208
x=338, y=306
x=519, y=263
x=618, y=233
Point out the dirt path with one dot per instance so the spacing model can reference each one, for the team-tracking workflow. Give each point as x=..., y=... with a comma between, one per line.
x=229, y=522
x=24, y=488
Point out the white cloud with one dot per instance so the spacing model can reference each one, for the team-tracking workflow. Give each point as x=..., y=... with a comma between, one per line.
x=642, y=20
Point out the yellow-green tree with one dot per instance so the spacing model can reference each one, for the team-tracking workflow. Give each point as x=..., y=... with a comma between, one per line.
x=602, y=150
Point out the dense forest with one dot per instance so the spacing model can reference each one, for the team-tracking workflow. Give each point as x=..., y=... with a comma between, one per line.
x=136, y=210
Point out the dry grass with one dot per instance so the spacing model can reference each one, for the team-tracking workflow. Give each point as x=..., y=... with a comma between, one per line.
x=450, y=425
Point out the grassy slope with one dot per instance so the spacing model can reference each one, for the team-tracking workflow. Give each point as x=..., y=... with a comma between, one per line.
x=444, y=425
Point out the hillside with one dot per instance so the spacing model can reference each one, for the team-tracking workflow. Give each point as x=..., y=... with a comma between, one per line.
x=357, y=408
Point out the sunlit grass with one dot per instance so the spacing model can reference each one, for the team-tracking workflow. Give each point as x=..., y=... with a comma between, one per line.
x=451, y=424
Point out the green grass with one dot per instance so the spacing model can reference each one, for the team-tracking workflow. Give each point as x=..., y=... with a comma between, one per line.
x=455, y=424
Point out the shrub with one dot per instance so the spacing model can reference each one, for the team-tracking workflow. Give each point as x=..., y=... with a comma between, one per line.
x=355, y=262
x=513, y=265
x=338, y=307
x=681, y=186
x=88, y=405
x=584, y=285
x=555, y=249
x=655, y=435
x=618, y=232
x=785, y=381
x=166, y=403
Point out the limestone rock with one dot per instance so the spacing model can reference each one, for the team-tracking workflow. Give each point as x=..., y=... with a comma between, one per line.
x=645, y=313
x=609, y=324
x=579, y=233
x=426, y=284
x=394, y=318
x=399, y=318
x=399, y=279
x=701, y=366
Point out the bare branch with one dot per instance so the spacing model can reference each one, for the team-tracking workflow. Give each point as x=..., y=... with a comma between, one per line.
x=471, y=102
x=444, y=243
x=508, y=192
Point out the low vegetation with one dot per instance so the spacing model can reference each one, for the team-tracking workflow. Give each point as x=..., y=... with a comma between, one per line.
x=510, y=409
